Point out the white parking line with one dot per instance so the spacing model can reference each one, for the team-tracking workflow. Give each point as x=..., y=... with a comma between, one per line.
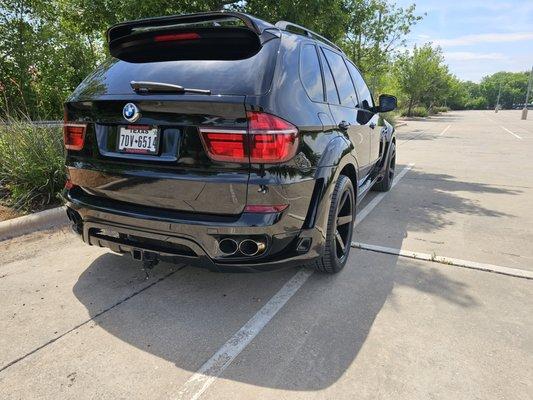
x=444, y=131
x=376, y=200
x=208, y=373
x=519, y=273
x=512, y=133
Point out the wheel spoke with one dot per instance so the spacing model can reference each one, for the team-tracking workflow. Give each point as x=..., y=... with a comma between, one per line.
x=340, y=241
x=343, y=200
x=344, y=220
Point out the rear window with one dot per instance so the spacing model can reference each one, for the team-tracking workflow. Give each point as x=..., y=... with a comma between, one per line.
x=249, y=76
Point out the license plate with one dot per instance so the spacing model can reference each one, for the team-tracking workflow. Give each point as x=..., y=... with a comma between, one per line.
x=139, y=139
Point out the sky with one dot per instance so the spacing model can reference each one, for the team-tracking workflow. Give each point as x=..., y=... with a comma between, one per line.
x=478, y=37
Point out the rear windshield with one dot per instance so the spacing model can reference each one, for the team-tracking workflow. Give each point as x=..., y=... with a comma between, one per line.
x=250, y=76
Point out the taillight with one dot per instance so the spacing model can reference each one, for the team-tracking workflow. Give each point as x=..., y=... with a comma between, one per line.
x=269, y=140
x=74, y=135
x=272, y=139
x=225, y=145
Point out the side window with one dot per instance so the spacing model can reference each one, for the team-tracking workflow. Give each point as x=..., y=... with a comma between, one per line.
x=342, y=78
x=365, y=97
x=331, y=91
x=310, y=73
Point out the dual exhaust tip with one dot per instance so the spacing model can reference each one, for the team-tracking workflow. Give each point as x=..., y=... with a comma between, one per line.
x=247, y=247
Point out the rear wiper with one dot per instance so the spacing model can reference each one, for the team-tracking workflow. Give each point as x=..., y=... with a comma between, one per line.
x=159, y=87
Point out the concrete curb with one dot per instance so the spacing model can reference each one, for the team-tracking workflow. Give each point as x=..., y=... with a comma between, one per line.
x=33, y=222
x=400, y=124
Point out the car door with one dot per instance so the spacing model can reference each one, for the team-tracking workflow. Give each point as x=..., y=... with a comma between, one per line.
x=366, y=117
x=342, y=99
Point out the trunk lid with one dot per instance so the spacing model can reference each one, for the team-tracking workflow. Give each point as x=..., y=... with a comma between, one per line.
x=180, y=176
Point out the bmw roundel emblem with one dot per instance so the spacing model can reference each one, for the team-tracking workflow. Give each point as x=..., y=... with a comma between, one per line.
x=131, y=112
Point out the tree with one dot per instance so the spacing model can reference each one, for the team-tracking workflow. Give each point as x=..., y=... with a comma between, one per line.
x=422, y=76
x=513, y=88
x=48, y=47
x=375, y=29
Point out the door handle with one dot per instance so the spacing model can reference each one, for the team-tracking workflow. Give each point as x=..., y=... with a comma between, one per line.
x=372, y=125
x=343, y=125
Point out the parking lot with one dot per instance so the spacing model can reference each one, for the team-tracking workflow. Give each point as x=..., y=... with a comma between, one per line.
x=82, y=322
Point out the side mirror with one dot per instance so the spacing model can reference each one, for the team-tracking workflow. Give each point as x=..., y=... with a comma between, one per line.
x=387, y=103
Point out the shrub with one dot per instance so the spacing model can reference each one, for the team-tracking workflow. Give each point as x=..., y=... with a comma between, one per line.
x=390, y=117
x=415, y=112
x=440, y=109
x=32, y=171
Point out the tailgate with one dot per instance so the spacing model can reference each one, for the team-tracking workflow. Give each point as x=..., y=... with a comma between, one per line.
x=180, y=176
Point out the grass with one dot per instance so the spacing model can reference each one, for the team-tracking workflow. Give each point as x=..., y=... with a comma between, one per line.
x=32, y=171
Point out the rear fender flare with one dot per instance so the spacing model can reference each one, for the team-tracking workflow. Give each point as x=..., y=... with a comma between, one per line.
x=388, y=135
x=336, y=156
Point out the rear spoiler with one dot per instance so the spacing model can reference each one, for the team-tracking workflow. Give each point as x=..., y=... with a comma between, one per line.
x=201, y=36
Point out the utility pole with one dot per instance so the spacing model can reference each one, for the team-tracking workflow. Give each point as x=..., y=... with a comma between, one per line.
x=529, y=84
x=498, y=99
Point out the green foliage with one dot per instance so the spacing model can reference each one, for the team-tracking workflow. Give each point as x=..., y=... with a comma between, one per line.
x=415, y=112
x=440, y=109
x=422, y=76
x=477, y=103
x=513, y=88
x=32, y=170
x=374, y=30
x=390, y=117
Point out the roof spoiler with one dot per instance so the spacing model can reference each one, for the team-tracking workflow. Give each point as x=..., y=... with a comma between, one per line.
x=122, y=29
x=201, y=36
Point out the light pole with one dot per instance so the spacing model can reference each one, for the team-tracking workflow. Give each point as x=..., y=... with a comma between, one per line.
x=498, y=99
x=529, y=83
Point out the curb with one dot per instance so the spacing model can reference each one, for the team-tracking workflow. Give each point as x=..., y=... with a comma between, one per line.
x=400, y=124
x=33, y=222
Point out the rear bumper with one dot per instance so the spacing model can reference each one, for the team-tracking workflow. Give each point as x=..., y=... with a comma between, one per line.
x=192, y=239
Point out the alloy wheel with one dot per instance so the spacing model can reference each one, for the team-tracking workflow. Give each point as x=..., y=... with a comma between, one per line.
x=344, y=225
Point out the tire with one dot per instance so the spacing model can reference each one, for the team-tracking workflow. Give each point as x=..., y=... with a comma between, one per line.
x=385, y=184
x=341, y=220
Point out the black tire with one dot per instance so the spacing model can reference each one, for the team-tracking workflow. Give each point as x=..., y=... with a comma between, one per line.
x=341, y=219
x=385, y=183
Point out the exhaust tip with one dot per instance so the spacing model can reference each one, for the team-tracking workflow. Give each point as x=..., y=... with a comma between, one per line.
x=250, y=247
x=228, y=246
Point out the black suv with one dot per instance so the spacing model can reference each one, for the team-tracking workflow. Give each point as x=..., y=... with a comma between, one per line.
x=221, y=140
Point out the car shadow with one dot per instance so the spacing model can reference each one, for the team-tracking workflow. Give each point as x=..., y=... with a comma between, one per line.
x=189, y=313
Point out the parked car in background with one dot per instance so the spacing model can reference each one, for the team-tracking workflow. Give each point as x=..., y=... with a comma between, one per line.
x=221, y=140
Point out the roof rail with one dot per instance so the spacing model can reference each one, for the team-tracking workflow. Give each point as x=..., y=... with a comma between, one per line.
x=283, y=25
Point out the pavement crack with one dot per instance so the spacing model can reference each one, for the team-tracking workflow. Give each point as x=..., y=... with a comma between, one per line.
x=35, y=350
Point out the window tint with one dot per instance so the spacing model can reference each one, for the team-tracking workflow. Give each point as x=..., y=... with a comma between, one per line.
x=310, y=73
x=251, y=76
x=342, y=78
x=365, y=98
x=331, y=91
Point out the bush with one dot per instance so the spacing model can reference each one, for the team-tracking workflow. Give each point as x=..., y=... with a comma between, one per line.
x=440, y=109
x=32, y=170
x=390, y=117
x=415, y=112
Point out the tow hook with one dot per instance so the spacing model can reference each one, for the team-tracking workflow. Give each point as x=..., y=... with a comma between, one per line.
x=149, y=260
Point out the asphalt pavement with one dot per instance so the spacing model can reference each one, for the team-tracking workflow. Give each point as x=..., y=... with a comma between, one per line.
x=81, y=322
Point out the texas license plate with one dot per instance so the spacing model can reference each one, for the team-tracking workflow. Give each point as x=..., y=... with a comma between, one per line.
x=138, y=139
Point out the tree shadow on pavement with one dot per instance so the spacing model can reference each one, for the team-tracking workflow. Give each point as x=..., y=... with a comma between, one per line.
x=318, y=334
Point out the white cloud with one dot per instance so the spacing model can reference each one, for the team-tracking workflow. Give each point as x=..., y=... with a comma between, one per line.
x=471, y=56
x=484, y=38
